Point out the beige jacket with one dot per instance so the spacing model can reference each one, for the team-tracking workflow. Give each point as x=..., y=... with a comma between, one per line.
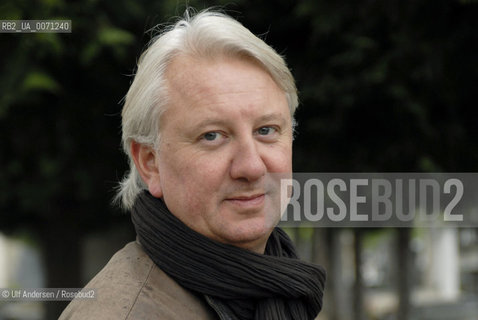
x=131, y=287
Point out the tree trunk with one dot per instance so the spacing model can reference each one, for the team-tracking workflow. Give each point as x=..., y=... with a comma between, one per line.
x=403, y=276
x=61, y=252
x=358, y=287
x=327, y=252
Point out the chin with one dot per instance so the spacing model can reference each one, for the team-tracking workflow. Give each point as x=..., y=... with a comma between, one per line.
x=248, y=236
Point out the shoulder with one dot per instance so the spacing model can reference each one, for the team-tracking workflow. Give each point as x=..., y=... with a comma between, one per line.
x=130, y=287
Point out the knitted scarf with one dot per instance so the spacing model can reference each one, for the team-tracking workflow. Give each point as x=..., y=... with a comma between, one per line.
x=239, y=284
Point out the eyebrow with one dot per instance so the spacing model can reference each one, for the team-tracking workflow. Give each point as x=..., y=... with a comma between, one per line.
x=217, y=121
x=206, y=122
x=272, y=116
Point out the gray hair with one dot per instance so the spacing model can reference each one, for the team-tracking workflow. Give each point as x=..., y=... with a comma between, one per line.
x=206, y=34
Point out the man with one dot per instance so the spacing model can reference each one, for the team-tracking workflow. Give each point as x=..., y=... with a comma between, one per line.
x=207, y=125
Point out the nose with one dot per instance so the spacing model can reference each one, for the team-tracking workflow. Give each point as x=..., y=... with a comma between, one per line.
x=247, y=163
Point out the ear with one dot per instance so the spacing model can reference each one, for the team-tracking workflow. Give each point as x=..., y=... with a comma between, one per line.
x=144, y=158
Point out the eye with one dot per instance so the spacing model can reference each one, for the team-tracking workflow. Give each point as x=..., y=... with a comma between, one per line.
x=211, y=136
x=264, y=131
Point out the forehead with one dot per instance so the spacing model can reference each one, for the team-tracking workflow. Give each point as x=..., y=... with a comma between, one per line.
x=188, y=74
x=201, y=82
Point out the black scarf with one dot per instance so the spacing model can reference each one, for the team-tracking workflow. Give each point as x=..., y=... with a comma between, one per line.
x=237, y=283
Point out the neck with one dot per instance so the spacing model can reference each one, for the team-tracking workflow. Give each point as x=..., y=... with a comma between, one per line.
x=255, y=245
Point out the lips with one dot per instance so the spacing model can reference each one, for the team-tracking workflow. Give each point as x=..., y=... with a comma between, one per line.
x=247, y=201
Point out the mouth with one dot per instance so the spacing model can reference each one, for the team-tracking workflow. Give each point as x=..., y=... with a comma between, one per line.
x=247, y=201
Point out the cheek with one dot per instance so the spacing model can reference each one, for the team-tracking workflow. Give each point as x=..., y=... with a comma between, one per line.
x=210, y=172
x=195, y=193
x=192, y=180
x=279, y=159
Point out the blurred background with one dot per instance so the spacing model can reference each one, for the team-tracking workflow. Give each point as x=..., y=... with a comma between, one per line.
x=385, y=86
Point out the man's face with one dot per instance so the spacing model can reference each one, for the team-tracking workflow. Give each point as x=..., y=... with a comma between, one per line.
x=226, y=127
